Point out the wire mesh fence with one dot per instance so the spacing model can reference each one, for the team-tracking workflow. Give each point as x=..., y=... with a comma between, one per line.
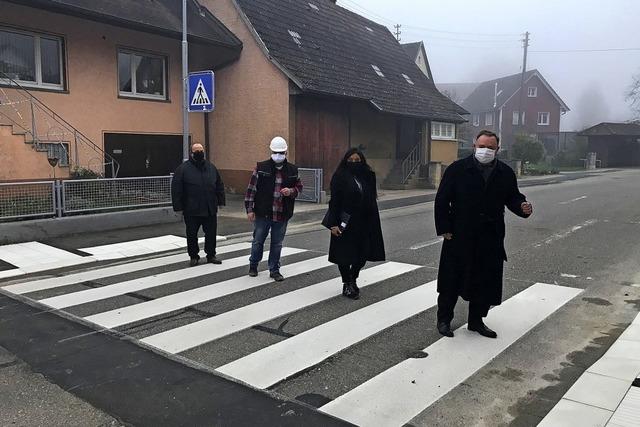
x=312, y=185
x=88, y=195
x=27, y=199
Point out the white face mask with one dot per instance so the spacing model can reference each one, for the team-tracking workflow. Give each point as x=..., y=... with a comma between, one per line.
x=485, y=155
x=278, y=158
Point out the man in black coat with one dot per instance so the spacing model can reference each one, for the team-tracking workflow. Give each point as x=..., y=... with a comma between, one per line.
x=469, y=214
x=197, y=190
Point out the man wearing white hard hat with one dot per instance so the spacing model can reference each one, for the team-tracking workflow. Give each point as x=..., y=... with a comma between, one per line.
x=269, y=202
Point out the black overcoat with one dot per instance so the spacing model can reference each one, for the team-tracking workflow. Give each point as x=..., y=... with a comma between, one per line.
x=197, y=190
x=362, y=239
x=473, y=212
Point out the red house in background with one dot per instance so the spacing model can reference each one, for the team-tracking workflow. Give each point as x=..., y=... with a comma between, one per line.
x=496, y=104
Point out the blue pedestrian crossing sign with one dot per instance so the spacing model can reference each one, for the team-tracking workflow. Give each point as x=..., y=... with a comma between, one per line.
x=201, y=91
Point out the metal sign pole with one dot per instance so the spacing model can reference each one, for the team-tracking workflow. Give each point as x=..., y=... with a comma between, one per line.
x=185, y=88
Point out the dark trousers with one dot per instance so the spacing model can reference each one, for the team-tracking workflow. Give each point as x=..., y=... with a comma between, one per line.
x=447, y=303
x=351, y=272
x=209, y=226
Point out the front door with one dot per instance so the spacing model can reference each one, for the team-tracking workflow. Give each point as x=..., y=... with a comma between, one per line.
x=144, y=155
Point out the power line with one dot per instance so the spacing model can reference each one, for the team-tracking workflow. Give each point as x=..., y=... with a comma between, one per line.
x=621, y=49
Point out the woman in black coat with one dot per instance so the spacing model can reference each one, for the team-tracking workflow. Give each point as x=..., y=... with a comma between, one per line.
x=354, y=220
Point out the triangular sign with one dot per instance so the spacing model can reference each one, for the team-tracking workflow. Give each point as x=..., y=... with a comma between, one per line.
x=200, y=96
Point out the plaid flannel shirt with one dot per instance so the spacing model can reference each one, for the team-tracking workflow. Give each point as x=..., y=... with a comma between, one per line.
x=278, y=205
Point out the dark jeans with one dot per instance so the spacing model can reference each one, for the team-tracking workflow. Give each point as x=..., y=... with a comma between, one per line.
x=261, y=229
x=209, y=226
x=447, y=303
x=350, y=273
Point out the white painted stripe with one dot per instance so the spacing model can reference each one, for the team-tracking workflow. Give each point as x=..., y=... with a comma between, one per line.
x=425, y=244
x=140, y=247
x=628, y=413
x=574, y=414
x=198, y=333
x=145, y=310
x=566, y=233
x=31, y=257
x=573, y=200
x=104, y=292
x=400, y=393
x=57, y=282
x=275, y=363
x=4, y=274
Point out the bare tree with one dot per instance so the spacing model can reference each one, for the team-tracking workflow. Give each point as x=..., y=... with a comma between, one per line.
x=633, y=95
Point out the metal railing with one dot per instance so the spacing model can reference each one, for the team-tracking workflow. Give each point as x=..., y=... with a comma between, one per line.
x=312, y=180
x=91, y=195
x=411, y=162
x=44, y=128
x=27, y=199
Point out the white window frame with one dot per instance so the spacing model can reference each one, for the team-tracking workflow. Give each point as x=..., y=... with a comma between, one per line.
x=133, y=93
x=488, y=119
x=443, y=130
x=515, y=120
x=532, y=92
x=543, y=122
x=377, y=70
x=37, y=37
x=476, y=119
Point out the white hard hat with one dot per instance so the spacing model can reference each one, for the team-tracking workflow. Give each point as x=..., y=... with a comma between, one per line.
x=278, y=144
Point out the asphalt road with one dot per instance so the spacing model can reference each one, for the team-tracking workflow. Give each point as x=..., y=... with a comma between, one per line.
x=583, y=235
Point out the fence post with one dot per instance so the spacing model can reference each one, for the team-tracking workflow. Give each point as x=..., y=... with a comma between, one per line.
x=59, y=198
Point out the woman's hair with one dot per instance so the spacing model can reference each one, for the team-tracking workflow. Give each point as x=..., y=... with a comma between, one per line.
x=342, y=166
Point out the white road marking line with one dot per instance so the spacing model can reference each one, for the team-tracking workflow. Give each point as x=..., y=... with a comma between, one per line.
x=573, y=200
x=57, y=282
x=198, y=333
x=32, y=257
x=140, y=247
x=122, y=288
x=169, y=303
x=569, y=276
x=400, y=393
x=567, y=233
x=425, y=244
x=275, y=363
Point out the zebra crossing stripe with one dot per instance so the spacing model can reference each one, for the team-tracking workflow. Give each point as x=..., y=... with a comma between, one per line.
x=104, y=292
x=70, y=279
x=32, y=257
x=156, y=307
x=198, y=333
x=400, y=393
x=276, y=363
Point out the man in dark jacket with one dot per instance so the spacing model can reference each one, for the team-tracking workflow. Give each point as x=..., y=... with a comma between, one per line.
x=469, y=214
x=269, y=202
x=197, y=190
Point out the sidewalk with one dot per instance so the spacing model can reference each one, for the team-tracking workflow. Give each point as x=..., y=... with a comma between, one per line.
x=608, y=393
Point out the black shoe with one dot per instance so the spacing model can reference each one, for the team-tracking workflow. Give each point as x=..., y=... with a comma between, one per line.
x=445, y=329
x=344, y=289
x=213, y=260
x=275, y=275
x=356, y=289
x=194, y=262
x=253, y=271
x=482, y=329
x=351, y=291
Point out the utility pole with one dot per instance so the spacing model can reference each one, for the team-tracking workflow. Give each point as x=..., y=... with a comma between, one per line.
x=398, y=32
x=525, y=45
x=185, y=88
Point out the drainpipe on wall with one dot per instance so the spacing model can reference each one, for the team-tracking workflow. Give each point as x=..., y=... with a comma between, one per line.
x=428, y=159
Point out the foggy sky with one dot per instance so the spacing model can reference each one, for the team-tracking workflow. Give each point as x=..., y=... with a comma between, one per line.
x=581, y=79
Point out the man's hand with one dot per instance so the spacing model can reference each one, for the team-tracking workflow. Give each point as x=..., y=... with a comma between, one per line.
x=527, y=208
x=447, y=236
x=286, y=192
x=336, y=231
x=251, y=216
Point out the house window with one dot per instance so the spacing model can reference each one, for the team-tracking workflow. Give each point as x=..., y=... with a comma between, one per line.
x=377, y=70
x=56, y=150
x=443, y=130
x=532, y=92
x=142, y=75
x=516, y=118
x=32, y=59
x=408, y=79
x=296, y=37
x=488, y=119
x=476, y=119
x=543, y=119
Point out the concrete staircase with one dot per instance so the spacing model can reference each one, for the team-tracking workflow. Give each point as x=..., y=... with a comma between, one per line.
x=393, y=181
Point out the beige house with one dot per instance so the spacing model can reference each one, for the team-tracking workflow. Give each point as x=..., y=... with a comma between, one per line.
x=313, y=72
